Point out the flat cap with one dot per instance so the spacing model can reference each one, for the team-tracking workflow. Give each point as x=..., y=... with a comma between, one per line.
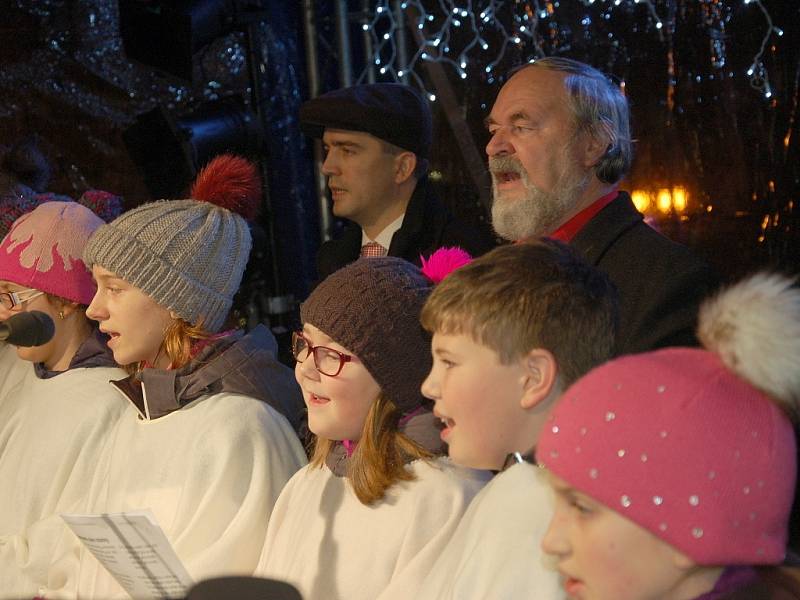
x=393, y=112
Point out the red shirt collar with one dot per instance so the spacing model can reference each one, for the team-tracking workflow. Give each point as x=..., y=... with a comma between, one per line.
x=569, y=230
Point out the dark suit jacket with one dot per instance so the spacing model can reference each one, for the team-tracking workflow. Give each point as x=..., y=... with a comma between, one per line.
x=660, y=282
x=427, y=226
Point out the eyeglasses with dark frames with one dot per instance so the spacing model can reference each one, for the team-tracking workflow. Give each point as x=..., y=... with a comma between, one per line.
x=326, y=360
x=10, y=300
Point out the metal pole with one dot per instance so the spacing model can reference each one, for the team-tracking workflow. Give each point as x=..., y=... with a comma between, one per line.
x=255, y=61
x=400, y=38
x=343, y=43
x=312, y=71
x=367, y=41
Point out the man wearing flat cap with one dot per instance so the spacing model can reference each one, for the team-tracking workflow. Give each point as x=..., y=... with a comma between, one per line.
x=377, y=140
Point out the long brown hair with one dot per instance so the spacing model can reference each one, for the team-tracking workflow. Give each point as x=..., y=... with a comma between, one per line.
x=381, y=455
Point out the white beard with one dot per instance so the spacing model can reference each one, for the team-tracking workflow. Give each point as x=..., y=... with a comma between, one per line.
x=537, y=213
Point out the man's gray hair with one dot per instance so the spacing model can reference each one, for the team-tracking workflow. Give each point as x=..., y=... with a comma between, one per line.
x=600, y=108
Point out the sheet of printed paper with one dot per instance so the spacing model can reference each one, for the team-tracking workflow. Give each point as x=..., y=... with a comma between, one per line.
x=134, y=549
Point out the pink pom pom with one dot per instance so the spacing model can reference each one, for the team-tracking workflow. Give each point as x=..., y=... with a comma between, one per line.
x=443, y=262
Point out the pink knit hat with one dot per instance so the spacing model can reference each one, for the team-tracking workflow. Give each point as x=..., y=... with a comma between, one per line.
x=44, y=247
x=680, y=440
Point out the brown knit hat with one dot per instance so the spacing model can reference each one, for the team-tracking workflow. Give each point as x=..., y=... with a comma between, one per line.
x=371, y=307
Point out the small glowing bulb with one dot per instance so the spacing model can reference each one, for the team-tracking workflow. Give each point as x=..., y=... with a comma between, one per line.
x=463, y=64
x=463, y=75
x=750, y=72
x=432, y=97
x=488, y=69
x=437, y=41
x=386, y=36
x=365, y=27
x=659, y=25
x=383, y=70
x=379, y=9
x=664, y=200
x=679, y=198
x=485, y=46
x=424, y=56
x=400, y=73
x=517, y=40
x=641, y=200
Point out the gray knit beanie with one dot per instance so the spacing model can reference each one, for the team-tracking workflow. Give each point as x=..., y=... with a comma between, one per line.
x=372, y=307
x=187, y=255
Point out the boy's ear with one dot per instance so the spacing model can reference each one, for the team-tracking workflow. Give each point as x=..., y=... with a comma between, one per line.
x=541, y=377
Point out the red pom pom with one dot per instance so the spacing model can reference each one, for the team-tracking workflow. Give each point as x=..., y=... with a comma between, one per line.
x=443, y=262
x=231, y=182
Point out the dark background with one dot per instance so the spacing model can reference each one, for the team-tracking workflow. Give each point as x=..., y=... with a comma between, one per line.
x=699, y=120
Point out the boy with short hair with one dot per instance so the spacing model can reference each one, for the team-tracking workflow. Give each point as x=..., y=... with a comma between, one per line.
x=511, y=331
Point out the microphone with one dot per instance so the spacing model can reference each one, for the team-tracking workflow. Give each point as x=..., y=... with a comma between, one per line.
x=27, y=329
x=243, y=588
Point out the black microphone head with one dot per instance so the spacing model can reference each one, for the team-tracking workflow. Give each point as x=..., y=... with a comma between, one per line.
x=243, y=588
x=32, y=328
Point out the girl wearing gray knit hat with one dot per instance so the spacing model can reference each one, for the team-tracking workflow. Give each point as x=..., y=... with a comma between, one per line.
x=378, y=497
x=208, y=439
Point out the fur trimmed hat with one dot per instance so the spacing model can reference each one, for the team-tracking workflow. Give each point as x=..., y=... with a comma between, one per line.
x=695, y=445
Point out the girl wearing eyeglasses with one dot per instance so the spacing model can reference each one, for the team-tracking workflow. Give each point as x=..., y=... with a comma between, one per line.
x=57, y=410
x=378, y=500
x=207, y=440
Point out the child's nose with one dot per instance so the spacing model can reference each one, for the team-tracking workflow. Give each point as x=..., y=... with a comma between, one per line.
x=430, y=387
x=555, y=540
x=94, y=310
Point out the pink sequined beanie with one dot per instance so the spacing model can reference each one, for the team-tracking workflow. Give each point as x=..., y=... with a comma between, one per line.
x=695, y=445
x=44, y=248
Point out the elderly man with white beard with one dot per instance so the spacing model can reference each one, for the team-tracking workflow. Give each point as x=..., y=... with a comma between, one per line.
x=560, y=143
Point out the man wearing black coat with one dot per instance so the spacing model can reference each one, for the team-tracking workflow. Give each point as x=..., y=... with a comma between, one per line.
x=377, y=141
x=560, y=143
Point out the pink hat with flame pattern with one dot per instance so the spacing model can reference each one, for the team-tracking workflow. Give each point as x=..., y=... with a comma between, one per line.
x=44, y=249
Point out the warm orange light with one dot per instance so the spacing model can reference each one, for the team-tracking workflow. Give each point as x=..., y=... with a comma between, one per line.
x=679, y=199
x=641, y=200
x=664, y=200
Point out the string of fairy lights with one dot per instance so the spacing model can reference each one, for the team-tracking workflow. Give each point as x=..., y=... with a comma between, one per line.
x=464, y=33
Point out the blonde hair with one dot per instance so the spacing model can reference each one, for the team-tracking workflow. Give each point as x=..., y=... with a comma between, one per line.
x=381, y=454
x=530, y=295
